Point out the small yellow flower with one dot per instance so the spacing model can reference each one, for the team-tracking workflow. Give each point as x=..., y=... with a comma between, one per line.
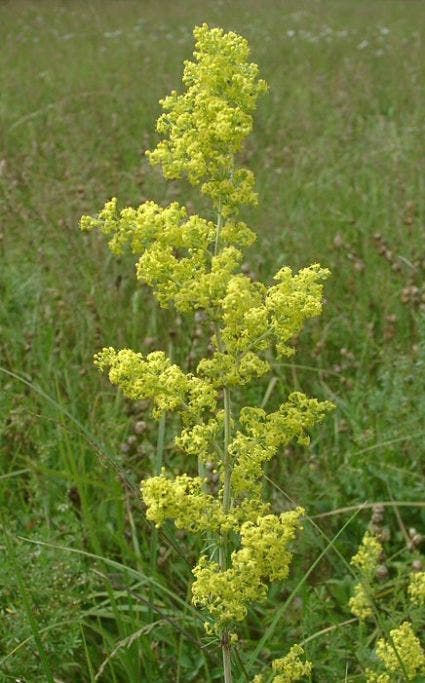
x=263, y=556
x=402, y=652
x=206, y=126
x=290, y=668
x=368, y=556
x=360, y=603
x=416, y=588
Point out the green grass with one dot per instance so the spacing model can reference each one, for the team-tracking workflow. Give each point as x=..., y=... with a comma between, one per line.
x=338, y=154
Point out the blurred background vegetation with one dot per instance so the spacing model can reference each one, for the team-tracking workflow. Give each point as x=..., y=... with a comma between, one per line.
x=338, y=153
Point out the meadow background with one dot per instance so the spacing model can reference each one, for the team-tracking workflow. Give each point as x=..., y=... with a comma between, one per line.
x=339, y=157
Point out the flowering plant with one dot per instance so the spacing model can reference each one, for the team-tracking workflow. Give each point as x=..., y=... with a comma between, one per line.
x=194, y=263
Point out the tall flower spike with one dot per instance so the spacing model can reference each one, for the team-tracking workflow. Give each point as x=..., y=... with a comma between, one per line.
x=206, y=126
x=192, y=263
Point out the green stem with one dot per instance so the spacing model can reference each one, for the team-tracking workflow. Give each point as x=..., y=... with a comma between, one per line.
x=217, y=232
x=227, y=661
x=227, y=463
x=224, y=541
x=157, y=465
x=227, y=473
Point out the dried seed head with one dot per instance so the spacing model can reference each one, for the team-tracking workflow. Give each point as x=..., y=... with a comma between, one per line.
x=140, y=427
x=377, y=518
x=197, y=333
x=382, y=572
x=132, y=440
x=359, y=265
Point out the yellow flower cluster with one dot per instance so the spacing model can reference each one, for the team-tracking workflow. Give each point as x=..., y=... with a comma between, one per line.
x=402, y=654
x=224, y=369
x=183, y=500
x=292, y=301
x=416, y=589
x=263, y=434
x=192, y=263
x=174, y=251
x=366, y=560
x=368, y=556
x=290, y=668
x=200, y=439
x=263, y=556
x=252, y=313
x=360, y=603
x=244, y=315
x=206, y=125
x=159, y=380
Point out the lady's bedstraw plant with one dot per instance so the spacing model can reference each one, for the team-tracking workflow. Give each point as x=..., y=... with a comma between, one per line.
x=193, y=263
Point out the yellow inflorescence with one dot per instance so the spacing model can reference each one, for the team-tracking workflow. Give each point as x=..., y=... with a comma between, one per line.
x=366, y=560
x=292, y=301
x=290, y=668
x=402, y=652
x=360, y=603
x=263, y=556
x=368, y=556
x=193, y=263
x=206, y=126
x=262, y=434
x=156, y=378
x=416, y=589
x=183, y=500
x=199, y=440
x=174, y=251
